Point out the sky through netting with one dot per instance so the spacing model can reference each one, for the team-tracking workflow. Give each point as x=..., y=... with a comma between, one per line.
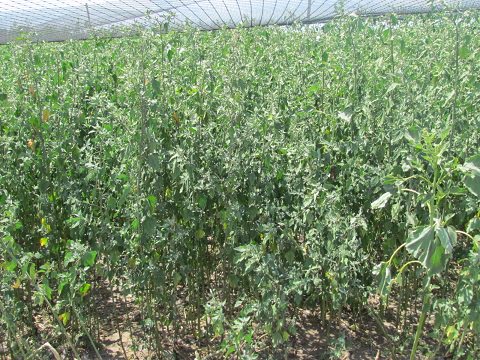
x=54, y=20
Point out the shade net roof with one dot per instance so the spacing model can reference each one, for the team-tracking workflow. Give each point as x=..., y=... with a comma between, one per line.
x=56, y=20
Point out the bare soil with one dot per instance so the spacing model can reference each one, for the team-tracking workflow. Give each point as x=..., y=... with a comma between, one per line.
x=119, y=335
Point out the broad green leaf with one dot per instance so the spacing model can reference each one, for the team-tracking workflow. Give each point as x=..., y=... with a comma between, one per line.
x=463, y=52
x=61, y=286
x=156, y=86
x=438, y=260
x=381, y=201
x=473, y=225
x=384, y=278
x=177, y=278
x=290, y=256
x=9, y=265
x=277, y=338
x=393, y=19
x=313, y=89
x=154, y=161
x=424, y=246
x=47, y=291
x=135, y=224
x=476, y=241
x=84, y=289
x=324, y=57
x=448, y=238
x=149, y=225
x=472, y=165
x=170, y=54
x=472, y=178
x=74, y=222
x=419, y=243
x=473, y=184
x=68, y=258
x=152, y=200
x=202, y=201
x=32, y=271
x=89, y=258
x=199, y=234
x=230, y=350
x=413, y=134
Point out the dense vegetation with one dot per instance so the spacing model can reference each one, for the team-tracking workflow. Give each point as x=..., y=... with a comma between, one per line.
x=226, y=181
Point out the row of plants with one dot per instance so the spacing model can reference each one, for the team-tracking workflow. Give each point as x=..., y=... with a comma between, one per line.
x=226, y=181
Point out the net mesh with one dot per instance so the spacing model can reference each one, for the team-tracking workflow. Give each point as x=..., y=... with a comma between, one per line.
x=56, y=20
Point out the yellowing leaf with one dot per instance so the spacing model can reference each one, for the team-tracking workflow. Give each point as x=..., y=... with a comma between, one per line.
x=46, y=226
x=16, y=284
x=43, y=242
x=64, y=318
x=45, y=115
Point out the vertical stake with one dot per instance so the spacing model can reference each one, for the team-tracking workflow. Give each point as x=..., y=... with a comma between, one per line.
x=88, y=15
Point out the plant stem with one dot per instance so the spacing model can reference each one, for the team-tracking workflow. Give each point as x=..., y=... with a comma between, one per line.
x=423, y=317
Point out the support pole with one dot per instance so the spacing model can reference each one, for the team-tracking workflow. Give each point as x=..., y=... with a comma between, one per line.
x=88, y=16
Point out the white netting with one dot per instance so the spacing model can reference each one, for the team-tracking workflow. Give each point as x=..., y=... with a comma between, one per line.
x=75, y=19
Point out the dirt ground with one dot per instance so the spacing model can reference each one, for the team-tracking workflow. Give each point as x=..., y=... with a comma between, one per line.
x=120, y=335
x=347, y=339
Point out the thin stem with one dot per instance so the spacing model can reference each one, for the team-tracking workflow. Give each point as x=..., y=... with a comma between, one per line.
x=410, y=190
x=423, y=317
x=466, y=234
x=396, y=251
x=408, y=263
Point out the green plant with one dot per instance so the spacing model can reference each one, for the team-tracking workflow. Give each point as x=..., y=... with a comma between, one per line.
x=431, y=240
x=220, y=184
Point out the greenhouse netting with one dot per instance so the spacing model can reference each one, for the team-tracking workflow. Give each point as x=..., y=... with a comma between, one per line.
x=56, y=20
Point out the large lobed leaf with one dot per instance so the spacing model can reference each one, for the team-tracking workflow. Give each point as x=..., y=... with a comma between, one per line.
x=431, y=247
